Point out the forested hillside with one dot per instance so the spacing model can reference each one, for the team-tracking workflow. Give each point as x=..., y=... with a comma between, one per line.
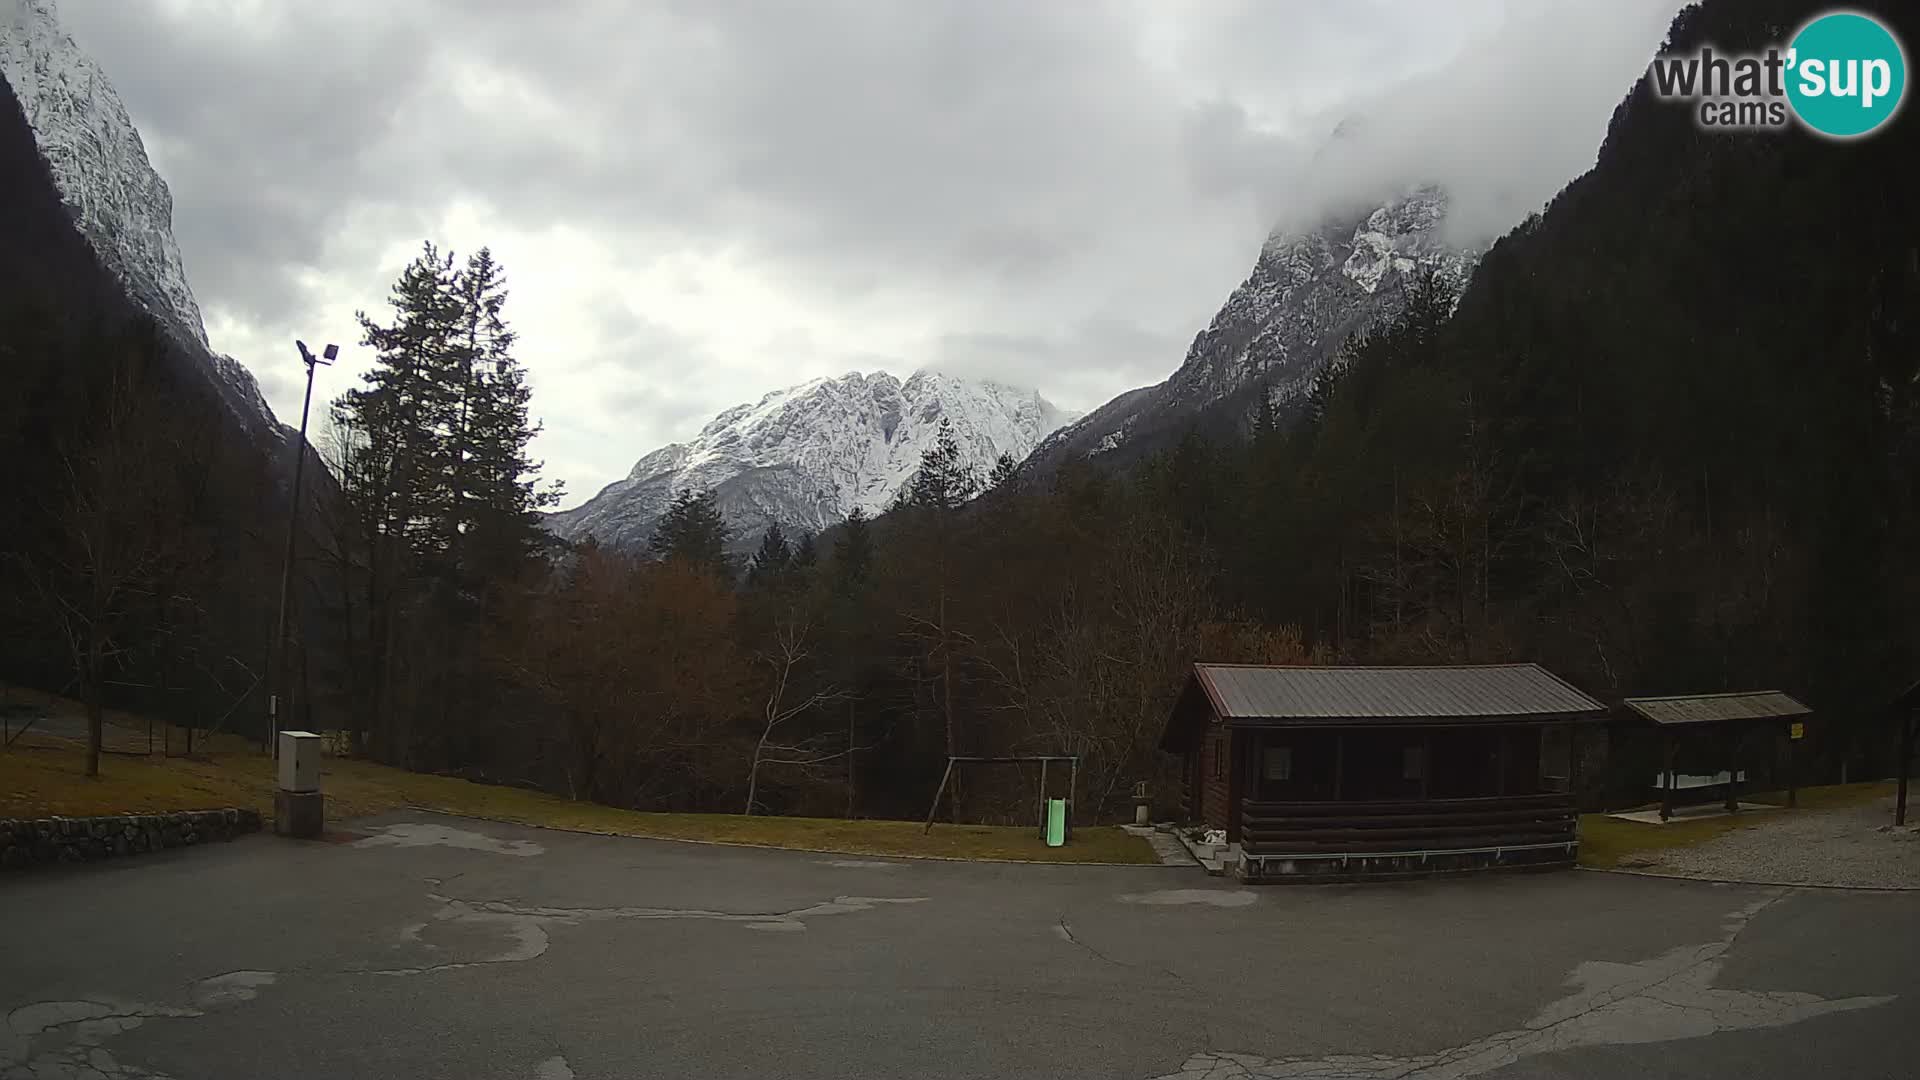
x=1667, y=442
x=143, y=522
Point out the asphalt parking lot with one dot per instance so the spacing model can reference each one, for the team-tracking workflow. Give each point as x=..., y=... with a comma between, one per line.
x=423, y=946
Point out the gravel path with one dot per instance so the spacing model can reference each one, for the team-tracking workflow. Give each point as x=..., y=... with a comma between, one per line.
x=1856, y=845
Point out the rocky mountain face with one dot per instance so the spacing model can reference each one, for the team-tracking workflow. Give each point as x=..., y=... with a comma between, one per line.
x=808, y=455
x=1307, y=294
x=116, y=198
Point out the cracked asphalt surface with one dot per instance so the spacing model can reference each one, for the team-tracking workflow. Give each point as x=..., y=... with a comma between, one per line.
x=441, y=947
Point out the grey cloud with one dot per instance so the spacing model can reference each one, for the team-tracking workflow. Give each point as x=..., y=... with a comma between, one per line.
x=1053, y=193
x=613, y=392
x=1505, y=125
x=1129, y=355
x=964, y=140
x=282, y=382
x=262, y=127
x=1228, y=154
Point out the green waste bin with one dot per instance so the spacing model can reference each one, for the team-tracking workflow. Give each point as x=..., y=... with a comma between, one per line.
x=1056, y=822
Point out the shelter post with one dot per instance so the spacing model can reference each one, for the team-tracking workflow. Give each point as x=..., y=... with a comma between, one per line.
x=1733, y=772
x=1666, y=775
x=1793, y=772
x=1906, y=766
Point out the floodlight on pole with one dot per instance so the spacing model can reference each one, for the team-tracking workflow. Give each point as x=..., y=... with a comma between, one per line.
x=278, y=673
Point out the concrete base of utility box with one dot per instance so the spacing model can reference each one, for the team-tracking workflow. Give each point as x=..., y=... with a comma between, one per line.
x=299, y=814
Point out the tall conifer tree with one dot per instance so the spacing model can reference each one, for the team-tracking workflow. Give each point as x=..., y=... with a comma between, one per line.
x=693, y=530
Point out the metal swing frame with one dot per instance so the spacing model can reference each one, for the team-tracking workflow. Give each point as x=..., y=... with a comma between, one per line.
x=1073, y=781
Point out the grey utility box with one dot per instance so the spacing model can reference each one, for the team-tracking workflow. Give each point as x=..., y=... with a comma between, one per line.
x=298, y=807
x=299, y=761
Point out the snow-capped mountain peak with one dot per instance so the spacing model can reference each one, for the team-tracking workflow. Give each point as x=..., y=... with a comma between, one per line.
x=807, y=455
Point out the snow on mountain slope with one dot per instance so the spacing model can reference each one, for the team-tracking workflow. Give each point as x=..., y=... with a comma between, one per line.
x=1307, y=294
x=807, y=455
x=118, y=201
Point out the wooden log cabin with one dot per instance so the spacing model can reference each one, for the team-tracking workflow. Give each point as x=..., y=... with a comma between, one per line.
x=1344, y=773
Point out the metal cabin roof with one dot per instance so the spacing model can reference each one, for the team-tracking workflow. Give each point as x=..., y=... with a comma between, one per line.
x=1717, y=708
x=1391, y=694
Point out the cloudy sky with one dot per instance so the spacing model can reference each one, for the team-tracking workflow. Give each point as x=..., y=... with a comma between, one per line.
x=698, y=201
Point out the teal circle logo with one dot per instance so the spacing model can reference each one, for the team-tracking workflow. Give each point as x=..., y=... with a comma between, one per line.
x=1846, y=74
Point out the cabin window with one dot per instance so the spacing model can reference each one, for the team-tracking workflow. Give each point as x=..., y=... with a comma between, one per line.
x=1219, y=759
x=1277, y=764
x=1413, y=763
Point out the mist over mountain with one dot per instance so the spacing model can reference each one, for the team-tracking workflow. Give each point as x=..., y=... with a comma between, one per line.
x=1308, y=292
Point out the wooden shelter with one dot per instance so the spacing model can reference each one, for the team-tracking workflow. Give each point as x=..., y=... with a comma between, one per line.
x=1332, y=773
x=1726, y=722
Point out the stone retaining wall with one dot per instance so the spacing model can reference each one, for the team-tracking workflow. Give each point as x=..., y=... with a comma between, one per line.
x=28, y=842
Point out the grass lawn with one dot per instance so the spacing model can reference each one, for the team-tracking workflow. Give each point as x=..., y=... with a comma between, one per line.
x=41, y=776
x=1608, y=842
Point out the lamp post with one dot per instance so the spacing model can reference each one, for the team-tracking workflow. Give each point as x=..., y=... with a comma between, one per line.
x=279, y=674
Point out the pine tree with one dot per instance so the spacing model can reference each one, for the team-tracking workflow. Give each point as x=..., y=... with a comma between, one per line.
x=693, y=531
x=443, y=423
x=805, y=554
x=1193, y=483
x=943, y=484
x=1430, y=299
x=403, y=408
x=772, y=562
x=1326, y=382
x=1266, y=419
x=1005, y=477
x=495, y=500
x=944, y=481
x=853, y=551
x=392, y=432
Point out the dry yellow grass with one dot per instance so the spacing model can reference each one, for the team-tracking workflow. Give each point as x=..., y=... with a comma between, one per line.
x=1608, y=842
x=42, y=775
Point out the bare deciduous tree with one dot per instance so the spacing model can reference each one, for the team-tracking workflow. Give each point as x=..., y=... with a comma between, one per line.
x=120, y=530
x=785, y=659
